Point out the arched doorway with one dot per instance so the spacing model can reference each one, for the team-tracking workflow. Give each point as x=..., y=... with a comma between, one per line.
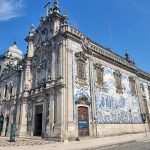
x=1, y=123
x=83, y=121
x=83, y=116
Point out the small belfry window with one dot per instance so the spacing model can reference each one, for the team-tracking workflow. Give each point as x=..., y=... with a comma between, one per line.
x=81, y=67
x=100, y=75
x=118, y=81
x=132, y=85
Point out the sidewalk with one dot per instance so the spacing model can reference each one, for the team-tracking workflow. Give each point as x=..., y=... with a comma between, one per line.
x=83, y=144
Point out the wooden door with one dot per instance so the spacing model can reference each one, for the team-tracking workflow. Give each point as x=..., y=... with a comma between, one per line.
x=83, y=121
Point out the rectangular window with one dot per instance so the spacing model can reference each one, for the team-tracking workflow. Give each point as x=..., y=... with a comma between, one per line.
x=81, y=70
x=132, y=86
x=99, y=74
x=118, y=81
x=81, y=59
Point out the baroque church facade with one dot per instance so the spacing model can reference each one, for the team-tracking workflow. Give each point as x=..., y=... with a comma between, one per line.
x=68, y=86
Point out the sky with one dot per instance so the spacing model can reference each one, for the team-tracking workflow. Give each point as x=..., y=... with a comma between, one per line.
x=121, y=25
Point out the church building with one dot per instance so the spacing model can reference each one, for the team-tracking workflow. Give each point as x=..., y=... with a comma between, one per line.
x=67, y=86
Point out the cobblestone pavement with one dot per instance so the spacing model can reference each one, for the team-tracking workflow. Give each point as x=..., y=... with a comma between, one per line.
x=144, y=145
x=118, y=143
x=4, y=142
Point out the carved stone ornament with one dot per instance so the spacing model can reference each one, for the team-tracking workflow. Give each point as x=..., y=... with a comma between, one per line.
x=82, y=101
x=81, y=56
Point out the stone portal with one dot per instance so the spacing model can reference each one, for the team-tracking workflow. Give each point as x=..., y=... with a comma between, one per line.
x=38, y=120
x=83, y=121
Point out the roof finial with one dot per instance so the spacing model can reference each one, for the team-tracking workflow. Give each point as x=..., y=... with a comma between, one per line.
x=56, y=6
x=15, y=43
x=65, y=17
x=127, y=56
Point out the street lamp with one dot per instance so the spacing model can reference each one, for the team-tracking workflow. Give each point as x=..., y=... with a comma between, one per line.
x=131, y=119
x=95, y=119
x=143, y=116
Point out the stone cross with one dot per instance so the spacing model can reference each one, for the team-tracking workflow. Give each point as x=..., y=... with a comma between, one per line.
x=46, y=6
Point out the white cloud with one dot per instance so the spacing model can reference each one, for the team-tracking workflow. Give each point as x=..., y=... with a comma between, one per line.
x=10, y=9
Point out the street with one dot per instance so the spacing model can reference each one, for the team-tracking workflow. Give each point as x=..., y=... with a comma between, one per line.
x=141, y=145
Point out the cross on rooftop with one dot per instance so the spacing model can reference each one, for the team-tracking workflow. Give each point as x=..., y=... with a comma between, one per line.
x=46, y=6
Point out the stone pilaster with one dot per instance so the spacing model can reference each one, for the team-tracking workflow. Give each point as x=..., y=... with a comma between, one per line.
x=69, y=93
x=23, y=120
x=53, y=64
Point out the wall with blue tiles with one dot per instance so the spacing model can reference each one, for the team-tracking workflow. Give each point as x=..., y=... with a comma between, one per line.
x=111, y=108
x=79, y=91
x=146, y=92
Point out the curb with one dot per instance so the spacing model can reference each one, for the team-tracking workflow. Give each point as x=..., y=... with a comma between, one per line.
x=106, y=145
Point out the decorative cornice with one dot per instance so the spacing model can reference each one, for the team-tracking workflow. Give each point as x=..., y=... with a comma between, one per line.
x=105, y=53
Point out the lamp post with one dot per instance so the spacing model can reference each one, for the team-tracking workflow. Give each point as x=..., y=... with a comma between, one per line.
x=143, y=115
x=95, y=119
x=131, y=119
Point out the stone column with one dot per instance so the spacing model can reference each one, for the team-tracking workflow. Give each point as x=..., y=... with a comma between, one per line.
x=23, y=120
